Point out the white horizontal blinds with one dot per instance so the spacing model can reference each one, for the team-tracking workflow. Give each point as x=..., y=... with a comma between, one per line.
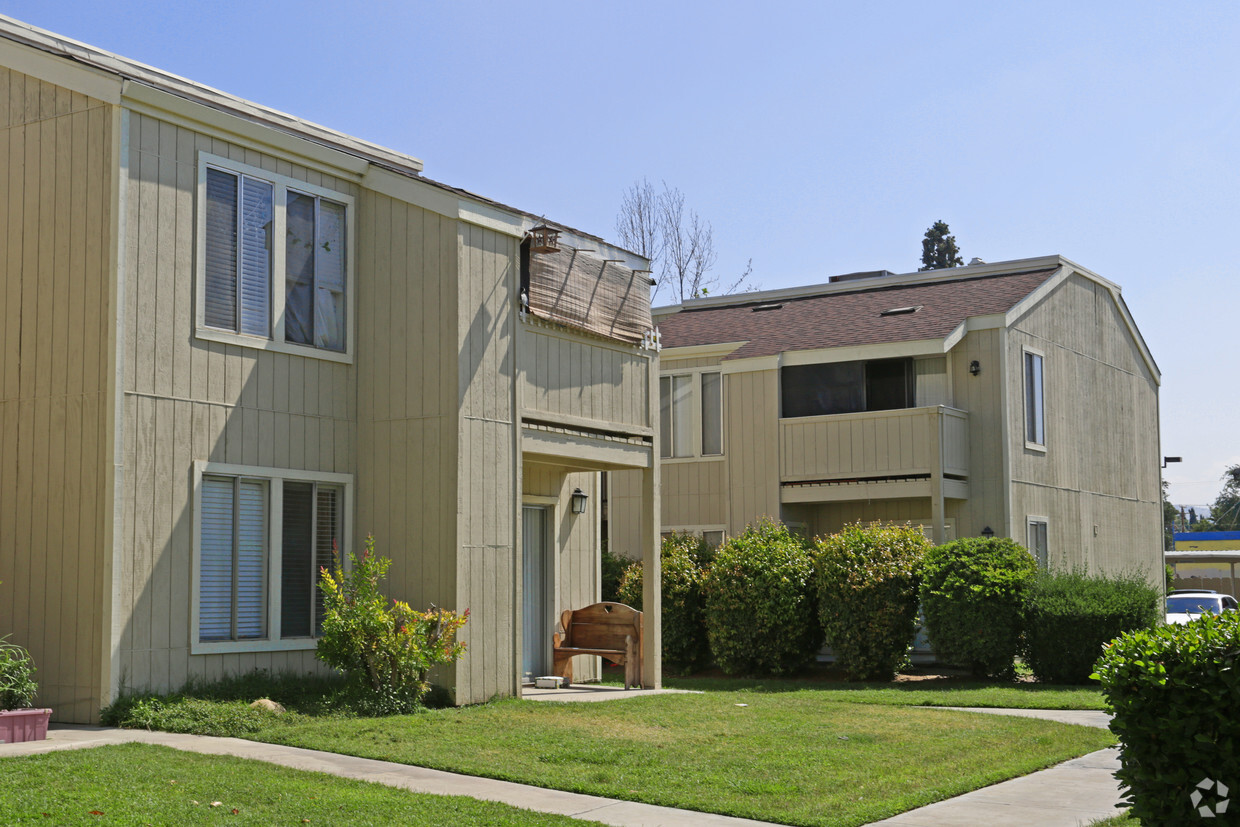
x=326, y=542
x=314, y=262
x=215, y=560
x=682, y=416
x=665, y=416
x=238, y=252
x=221, y=250
x=329, y=298
x=297, y=578
x=712, y=413
x=233, y=560
x=256, y=225
x=251, y=565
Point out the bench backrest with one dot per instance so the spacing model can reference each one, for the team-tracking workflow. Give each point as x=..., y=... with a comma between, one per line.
x=601, y=626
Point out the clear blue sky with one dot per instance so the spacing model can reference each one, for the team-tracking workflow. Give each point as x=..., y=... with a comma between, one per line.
x=817, y=138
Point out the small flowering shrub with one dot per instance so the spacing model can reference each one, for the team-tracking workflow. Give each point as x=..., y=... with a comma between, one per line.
x=384, y=647
x=17, y=683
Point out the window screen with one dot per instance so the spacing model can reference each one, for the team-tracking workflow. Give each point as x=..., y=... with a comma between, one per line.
x=232, y=559
x=238, y=253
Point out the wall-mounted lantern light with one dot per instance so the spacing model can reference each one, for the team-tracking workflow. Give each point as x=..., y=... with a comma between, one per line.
x=988, y=532
x=544, y=239
x=975, y=367
x=579, y=501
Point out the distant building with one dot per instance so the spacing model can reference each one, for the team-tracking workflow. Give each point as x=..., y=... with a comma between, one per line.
x=1207, y=540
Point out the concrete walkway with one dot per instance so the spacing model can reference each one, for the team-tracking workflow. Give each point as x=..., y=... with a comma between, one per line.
x=1071, y=794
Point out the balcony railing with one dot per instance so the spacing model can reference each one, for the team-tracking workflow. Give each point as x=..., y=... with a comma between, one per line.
x=911, y=442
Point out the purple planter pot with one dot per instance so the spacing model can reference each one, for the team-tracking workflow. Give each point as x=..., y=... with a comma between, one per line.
x=18, y=725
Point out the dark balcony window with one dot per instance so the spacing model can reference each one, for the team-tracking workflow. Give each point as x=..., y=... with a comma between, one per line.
x=846, y=387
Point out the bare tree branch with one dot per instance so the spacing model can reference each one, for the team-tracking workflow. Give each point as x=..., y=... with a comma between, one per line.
x=679, y=243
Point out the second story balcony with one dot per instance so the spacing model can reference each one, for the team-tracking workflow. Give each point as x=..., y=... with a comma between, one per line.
x=906, y=452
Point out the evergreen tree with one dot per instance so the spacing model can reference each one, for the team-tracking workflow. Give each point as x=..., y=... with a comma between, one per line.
x=938, y=248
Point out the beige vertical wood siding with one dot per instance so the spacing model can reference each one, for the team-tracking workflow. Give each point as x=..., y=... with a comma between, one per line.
x=751, y=424
x=187, y=399
x=56, y=178
x=407, y=397
x=582, y=377
x=982, y=397
x=1101, y=464
x=486, y=565
x=694, y=492
x=624, y=512
x=574, y=545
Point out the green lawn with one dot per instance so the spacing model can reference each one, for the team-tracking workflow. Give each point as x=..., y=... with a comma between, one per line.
x=934, y=692
x=799, y=757
x=144, y=784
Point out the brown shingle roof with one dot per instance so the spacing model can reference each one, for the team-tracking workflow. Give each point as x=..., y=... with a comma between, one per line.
x=852, y=318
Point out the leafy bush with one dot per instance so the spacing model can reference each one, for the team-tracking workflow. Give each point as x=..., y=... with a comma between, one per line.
x=684, y=559
x=612, y=568
x=761, y=613
x=867, y=596
x=384, y=648
x=1174, y=691
x=1070, y=616
x=17, y=683
x=972, y=592
x=195, y=716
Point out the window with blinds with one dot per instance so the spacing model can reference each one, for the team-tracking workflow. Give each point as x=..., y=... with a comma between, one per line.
x=310, y=535
x=233, y=559
x=239, y=556
x=273, y=259
x=238, y=253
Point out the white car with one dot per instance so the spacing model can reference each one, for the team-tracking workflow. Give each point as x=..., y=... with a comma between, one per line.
x=1184, y=606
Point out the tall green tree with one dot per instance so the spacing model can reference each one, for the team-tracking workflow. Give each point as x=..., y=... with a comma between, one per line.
x=1225, y=510
x=938, y=248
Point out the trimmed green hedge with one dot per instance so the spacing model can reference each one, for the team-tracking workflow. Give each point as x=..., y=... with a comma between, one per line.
x=972, y=592
x=867, y=596
x=1070, y=616
x=1174, y=691
x=761, y=611
x=683, y=559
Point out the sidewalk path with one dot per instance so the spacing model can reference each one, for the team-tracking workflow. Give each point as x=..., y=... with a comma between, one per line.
x=1071, y=794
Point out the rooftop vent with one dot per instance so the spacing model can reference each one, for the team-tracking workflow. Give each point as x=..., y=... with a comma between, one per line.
x=761, y=307
x=975, y=261
x=901, y=311
x=869, y=274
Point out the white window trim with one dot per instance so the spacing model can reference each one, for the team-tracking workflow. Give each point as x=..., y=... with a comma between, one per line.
x=1024, y=402
x=275, y=478
x=1035, y=519
x=281, y=184
x=695, y=405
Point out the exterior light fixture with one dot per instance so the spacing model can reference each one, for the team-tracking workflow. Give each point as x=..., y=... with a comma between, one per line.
x=975, y=367
x=579, y=501
x=544, y=239
x=988, y=532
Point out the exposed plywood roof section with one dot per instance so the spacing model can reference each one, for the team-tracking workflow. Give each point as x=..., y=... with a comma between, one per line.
x=861, y=316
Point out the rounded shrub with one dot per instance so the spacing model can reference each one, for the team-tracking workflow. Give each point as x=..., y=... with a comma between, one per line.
x=1174, y=691
x=867, y=596
x=761, y=613
x=972, y=592
x=683, y=559
x=1070, y=616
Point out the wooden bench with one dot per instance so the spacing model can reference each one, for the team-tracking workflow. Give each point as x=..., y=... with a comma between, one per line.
x=610, y=630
